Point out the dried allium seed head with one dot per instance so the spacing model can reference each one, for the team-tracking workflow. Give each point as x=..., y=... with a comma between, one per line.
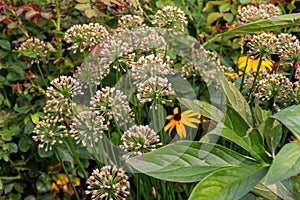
x=108, y=183
x=138, y=140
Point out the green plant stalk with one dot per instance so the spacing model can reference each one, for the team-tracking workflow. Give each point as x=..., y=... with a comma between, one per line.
x=42, y=75
x=58, y=15
x=85, y=174
x=244, y=73
x=20, y=23
x=256, y=76
x=67, y=174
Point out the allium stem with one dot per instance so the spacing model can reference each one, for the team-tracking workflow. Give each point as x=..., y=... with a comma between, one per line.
x=244, y=72
x=58, y=156
x=256, y=76
x=71, y=145
x=42, y=75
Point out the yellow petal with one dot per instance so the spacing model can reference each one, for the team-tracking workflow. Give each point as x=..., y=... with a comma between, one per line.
x=181, y=131
x=170, y=126
x=169, y=117
x=175, y=111
x=187, y=123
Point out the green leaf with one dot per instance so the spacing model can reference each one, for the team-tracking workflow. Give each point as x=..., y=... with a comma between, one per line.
x=228, y=17
x=276, y=22
x=285, y=164
x=296, y=186
x=213, y=16
x=186, y=161
x=236, y=99
x=1, y=185
x=229, y=183
x=276, y=191
x=25, y=144
x=290, y=117
x=252, y=143
x=5, y=44
x=203, y=108
x=45, y=154
x=6, y=135
x=225, y=7
x=43, y=183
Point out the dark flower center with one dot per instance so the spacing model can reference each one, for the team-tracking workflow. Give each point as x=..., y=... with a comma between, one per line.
x=177, y=117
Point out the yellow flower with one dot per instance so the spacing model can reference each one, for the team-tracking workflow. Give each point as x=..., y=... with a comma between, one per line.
x=180, y=120
x=266, y=65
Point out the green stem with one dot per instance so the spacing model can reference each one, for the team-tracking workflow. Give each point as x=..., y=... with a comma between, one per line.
x=42, y=75
x=244, y=72
x=58, y=15
x=67, y=174
x=85, y=174
x=256, y=76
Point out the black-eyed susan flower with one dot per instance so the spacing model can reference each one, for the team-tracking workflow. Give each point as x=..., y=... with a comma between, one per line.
x=180, y=120
x=252, y=64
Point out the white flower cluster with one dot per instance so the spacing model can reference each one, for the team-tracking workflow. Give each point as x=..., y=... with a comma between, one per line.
x=138, y=140
x=170, y=17
x=35, y=50
x=111, y=104
x=108, y=183
x=128, y=22
x=58, y=113
x=251, y=13
x=85, y=36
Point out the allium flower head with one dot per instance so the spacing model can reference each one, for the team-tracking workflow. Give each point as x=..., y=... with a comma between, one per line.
x=138, y=140
x=262, y=43
x=87, y=129
x=275, y=86
x=156, y=90
x=110, y=103
x=251, y=13
x=170, y=17
x=149, y=66
x=49, y=133
x=287, y=48
x=35, y=50
x=59, y=97
x=108, y=183
x=85, y=36
x=129, y=22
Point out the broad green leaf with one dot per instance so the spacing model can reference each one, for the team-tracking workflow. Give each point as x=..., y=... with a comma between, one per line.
x=45, y=154
x=285, y=164
x=5, y=44
x=296, y=186
x=252, y=143
x=290, y=117
x=236, y=99
x=203, y=108
x=275, y=192
x=213, y=16
x=25, y=144
x=225, y=7
x=228, y=17
x=186, y=161
x=229, y=183
x=277, y=22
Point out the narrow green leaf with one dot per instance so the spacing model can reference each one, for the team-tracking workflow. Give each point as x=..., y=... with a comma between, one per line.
x=236, y=99
x=285, y=164
x=229, y=183
x=290, y=117
x=186, y=161
x=277, y=22
x=203, y=108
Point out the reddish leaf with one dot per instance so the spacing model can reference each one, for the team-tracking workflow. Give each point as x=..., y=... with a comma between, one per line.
x=46, y=15
x=12, y=25
x=31, y=13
